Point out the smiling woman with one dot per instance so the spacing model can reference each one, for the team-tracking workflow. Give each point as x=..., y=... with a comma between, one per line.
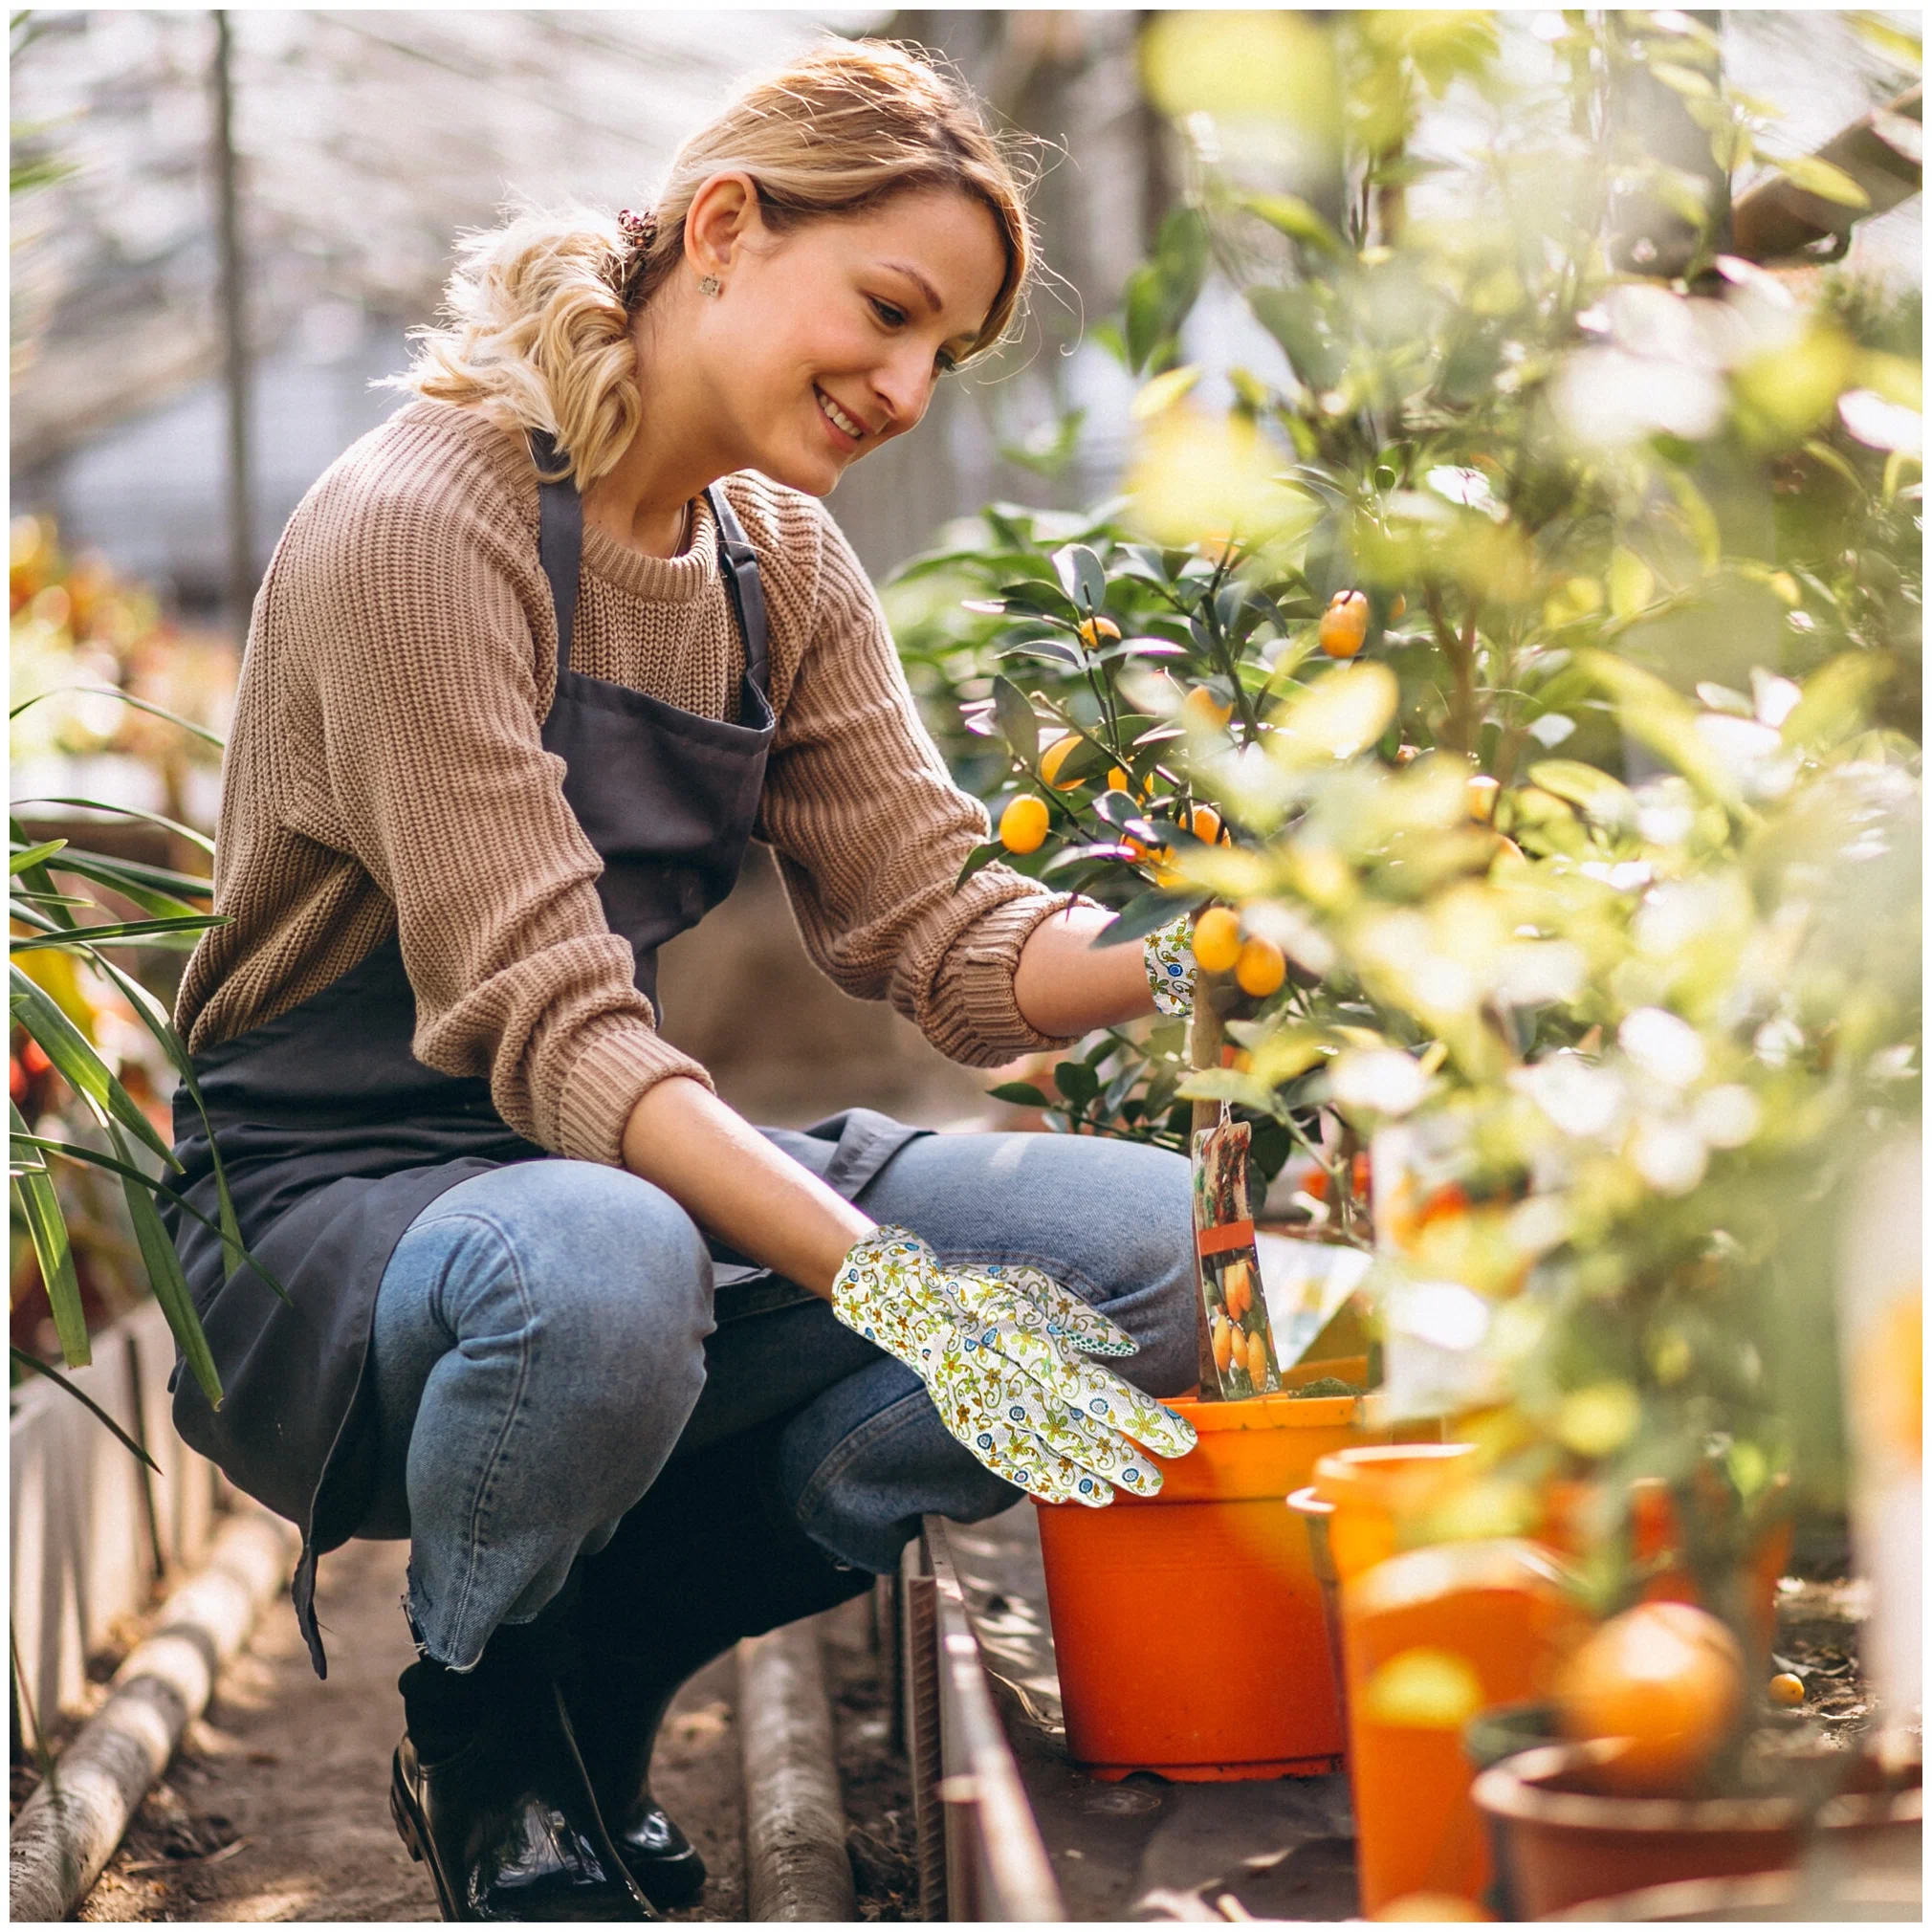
x=532, y=663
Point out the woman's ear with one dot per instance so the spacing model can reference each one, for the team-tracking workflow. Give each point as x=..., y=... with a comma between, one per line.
x=724, y=214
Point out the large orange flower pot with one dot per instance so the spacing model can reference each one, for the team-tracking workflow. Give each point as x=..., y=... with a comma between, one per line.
x=1188, y=1626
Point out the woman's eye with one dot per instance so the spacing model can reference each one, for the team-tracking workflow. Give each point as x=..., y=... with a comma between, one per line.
x=892, y=318
x=945, y=361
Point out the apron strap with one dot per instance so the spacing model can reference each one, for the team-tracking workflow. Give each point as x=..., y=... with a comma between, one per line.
x=740, y=565
x=560, y=548
x=560, y=541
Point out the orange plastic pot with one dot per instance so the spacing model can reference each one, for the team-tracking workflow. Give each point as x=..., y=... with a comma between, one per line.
x=1188, y=1626
x=1375, y=1490
x=1429, y=1638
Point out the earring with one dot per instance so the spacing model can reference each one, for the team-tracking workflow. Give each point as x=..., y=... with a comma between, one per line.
x=709, y=286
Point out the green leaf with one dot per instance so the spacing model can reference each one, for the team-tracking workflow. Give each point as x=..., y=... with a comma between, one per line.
x=1656, y=715
x=1293, y=217
x=1082, y=577
x=1290, y=317
x=166, y=933
x=80, y=1065
x=1077, y=1081
x=980, y=857
x=1596, y=794
x=169, y=1284
x=199, y=839
x=1019, y=1094
x=1817, y=176
x=33, y=1365
x=33, y=855
x=1162, y=393
x=1146, y=913
x=154, y=888
x=1014, y=713
x=1836, y=701
x=1226, y=1083
x=126, y=697
x=40, y=1207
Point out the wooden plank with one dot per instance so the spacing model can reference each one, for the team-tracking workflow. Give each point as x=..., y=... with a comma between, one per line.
x=997, y=1867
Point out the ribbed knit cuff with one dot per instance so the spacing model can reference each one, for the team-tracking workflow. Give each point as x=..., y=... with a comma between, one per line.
x=623, y=1059
x=982, y=1025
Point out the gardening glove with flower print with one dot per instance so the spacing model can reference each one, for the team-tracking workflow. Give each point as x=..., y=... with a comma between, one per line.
x=1167, y=955
x=996, y=1351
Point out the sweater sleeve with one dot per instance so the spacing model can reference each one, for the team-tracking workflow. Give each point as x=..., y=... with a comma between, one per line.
x=428, y=631
x=870, y=833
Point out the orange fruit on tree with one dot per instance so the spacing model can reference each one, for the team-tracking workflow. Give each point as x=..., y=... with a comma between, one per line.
x=1202, y=706
x=1205, y=823
x=1344, y=624
x=1664, y=1682
x=1257, y=1360
x=1216, y=940
x=1399, y=609
x=1479, y=798
x=1054, y=757
x=1094, y=631
x=1788, y=1689
x=1117, y=780
x=1022, y=824
x=1261, y=968
x=1224, y=1344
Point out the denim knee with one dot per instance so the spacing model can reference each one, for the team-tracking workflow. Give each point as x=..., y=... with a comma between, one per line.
x=600, y=1281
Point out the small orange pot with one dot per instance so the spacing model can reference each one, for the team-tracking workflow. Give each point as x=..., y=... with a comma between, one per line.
x=1432, y=1638
x=1188, y=1626
x=1376, y=1489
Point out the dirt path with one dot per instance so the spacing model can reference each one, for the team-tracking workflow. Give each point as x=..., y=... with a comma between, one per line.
x=277, y=1806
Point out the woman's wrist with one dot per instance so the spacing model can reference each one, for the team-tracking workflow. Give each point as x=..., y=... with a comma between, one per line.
x=736, y=1185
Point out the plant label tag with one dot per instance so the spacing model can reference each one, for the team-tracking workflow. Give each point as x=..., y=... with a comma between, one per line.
x=1237, y=1344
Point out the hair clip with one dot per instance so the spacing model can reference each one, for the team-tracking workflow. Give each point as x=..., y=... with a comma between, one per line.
x=639, y=230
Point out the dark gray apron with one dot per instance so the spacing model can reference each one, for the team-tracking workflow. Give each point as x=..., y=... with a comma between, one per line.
x=334, y=1137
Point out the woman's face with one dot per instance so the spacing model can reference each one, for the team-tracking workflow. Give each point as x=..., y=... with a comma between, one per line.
x=826, y=341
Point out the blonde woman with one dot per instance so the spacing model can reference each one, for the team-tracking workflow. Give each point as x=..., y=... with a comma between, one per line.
x=532, y=662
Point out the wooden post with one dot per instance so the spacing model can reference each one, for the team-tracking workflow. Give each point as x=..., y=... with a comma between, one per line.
x=1206, y=1036
x=230, y=293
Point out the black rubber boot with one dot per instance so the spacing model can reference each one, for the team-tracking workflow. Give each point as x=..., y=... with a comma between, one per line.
x=489, y=1790
x=710, y=1555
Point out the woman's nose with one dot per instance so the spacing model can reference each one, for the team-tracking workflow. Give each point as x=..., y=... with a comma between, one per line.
x=905, y=386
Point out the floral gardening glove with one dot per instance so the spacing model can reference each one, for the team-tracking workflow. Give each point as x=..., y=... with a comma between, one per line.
x=1005, y=1383
x=1168, y=954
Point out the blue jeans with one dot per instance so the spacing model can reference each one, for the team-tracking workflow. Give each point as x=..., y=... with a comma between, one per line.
x=546, y=1338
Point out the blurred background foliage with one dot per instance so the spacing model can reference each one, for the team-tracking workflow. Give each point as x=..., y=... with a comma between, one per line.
x=1533, y=606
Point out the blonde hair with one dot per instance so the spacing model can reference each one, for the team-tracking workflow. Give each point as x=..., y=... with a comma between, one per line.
x=536, y=320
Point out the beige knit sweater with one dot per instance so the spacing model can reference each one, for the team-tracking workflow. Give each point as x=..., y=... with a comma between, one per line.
x=385, y=772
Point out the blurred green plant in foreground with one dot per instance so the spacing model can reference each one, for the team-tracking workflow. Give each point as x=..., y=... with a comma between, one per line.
x=1526, y=652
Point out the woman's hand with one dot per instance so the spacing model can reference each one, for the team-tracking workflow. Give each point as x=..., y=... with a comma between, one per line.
x=1003, y=1354
x=737, y=1186
x=1067, y=986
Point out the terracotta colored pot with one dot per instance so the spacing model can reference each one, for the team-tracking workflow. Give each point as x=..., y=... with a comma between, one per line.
x=1188, y=1626
x=1566, y=1845
x=1771, y=1895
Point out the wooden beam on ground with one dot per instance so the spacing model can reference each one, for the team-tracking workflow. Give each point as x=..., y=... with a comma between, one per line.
x=797, y=1867
x=68, y=1828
